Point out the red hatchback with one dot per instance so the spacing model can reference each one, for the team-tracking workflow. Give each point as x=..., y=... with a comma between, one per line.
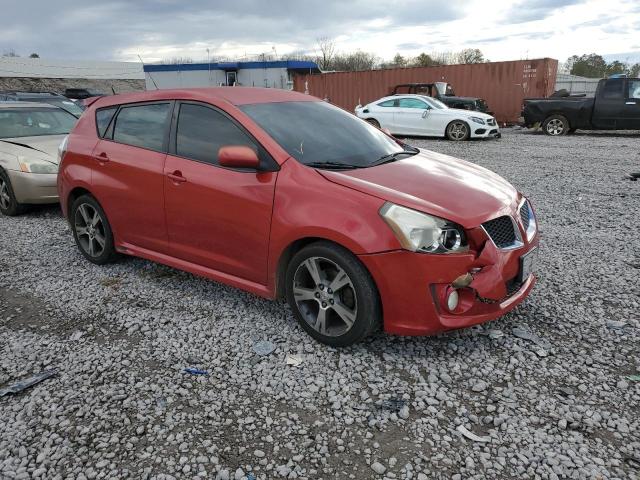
x=282, y=194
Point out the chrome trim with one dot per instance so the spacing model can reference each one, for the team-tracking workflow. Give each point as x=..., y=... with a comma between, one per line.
x=518, y=242
x=533, y=224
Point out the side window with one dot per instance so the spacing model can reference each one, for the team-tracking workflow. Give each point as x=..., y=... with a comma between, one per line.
x=634, y=89
x=202, y=131
x=412, y=103
x=142, y=125
x=103, y=118
x=388, y=103
x=613, y=88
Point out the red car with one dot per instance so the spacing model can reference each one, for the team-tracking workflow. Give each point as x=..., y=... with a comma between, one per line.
x=282, y=194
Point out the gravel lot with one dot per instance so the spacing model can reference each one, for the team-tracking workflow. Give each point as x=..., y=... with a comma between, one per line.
x=120, y=336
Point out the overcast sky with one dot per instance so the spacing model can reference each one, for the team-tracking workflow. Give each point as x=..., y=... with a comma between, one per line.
x=160, y=29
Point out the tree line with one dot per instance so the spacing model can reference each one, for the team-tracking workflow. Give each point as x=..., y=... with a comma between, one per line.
x=593, y=65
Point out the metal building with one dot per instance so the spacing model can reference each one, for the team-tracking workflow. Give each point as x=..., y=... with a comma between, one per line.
x=503, y=85
x=269, y=74
x=577, y=85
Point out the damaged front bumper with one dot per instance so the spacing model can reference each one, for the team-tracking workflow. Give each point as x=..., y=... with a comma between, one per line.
x=414, y=287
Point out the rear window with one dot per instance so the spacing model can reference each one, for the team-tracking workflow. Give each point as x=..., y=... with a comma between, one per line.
x=103, y=118
x=142, y=125
x=613, y=88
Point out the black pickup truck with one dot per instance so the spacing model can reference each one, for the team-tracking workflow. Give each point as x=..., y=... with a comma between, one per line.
x=616, y=106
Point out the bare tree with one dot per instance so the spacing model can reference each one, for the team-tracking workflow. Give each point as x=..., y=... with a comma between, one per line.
x=470, y=55
x=177, y=60
x=354, y=62
x=327, y=50
x=10, y=53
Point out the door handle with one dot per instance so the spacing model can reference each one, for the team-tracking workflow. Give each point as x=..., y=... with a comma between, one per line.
x=177, y=177
x=631, y=103
x=102, y=157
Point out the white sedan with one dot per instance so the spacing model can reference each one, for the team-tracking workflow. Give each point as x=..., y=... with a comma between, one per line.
x=425, y=116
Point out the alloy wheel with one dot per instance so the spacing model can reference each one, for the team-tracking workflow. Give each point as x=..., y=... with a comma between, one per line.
x=555, y=127
x=90, y=230
x=325, y=296
x=5, y=198
x=458, y=131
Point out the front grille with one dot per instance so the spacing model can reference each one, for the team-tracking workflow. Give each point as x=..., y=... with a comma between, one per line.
x=524, y=215
x=502, y=231
x=512, y=286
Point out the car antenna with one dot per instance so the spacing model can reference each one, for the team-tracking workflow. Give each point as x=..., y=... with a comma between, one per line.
x=150, y=76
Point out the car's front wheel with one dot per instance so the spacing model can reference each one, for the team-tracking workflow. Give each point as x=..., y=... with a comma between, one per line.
x=458, y=131
x=556, y=125
x=9, y=206
x=373, y=122
x=332, y=294
x=92, y=231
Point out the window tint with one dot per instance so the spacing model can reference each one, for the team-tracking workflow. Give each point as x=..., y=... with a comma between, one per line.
x=613, y=88
x=103, y=117
x=388, y=103
x=202, y=131
x=29, y=122
x=318, y=132
x=634, y=89
x=411, y=103
x=142, y=125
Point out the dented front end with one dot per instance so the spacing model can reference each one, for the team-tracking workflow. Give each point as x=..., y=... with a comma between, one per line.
x=426, y=294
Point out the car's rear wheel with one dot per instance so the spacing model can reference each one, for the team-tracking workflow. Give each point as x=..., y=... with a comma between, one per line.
x=458, y=131
x=373, y=122
x=332, y=295
x=92, y=231
x=9, y=206
x=556, y=125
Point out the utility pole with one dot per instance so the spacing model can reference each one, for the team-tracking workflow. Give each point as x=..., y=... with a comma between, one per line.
x=209, y=62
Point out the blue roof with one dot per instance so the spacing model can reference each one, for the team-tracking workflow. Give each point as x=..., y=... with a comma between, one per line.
x=184, y=67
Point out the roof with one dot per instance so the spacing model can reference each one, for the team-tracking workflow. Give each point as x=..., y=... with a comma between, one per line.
x=184, y=67
x=233, y=95
x=25, y=105
x=47, y=68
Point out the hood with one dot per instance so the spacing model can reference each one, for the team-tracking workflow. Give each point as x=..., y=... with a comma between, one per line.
x=46, y=146
x=436, y=184
x=470, y=113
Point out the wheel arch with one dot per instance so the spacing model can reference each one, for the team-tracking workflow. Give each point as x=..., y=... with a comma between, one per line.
x=73, y=195
x=294, y=247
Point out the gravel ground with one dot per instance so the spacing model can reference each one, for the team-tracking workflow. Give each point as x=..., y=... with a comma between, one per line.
x=120, y=336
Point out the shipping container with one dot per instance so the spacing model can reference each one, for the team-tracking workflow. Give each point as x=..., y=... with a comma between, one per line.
x=502, y=84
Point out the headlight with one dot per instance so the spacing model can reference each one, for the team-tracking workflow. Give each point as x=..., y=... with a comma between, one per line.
x=37, y=166
x=478, y=120
x=419, y=232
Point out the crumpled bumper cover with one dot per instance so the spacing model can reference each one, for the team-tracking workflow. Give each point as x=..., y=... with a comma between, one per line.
x=411, y=286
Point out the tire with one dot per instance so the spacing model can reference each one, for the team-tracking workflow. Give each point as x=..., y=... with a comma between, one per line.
x=334, y=316
x=91, y=230
x=556, y=125
x=373, y=122
x=458, y=131
x=9, y=206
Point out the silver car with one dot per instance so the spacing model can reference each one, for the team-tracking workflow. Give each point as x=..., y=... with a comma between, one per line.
x=30, y=134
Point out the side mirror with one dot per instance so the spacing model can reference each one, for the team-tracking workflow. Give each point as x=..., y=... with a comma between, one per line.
x=238, y=156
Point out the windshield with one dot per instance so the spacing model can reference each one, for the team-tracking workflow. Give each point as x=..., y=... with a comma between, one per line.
x=29, y=122
x=435, y=103
x=318, y=132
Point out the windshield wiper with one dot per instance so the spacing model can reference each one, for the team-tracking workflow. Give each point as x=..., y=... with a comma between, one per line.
x=392, y=157
x=344, y=166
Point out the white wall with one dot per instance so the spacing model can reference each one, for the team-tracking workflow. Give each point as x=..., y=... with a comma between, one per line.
x=250, y=77
x=19, y=67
